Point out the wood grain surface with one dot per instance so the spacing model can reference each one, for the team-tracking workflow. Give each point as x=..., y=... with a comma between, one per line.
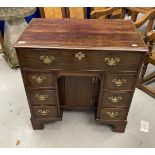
x=82, y=34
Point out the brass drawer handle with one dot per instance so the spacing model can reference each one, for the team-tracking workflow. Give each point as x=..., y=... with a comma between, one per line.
x=112, y=114
x=79, y=55
x=41, y=97
x=43, y=112
x=47, y=59
x=38, y=78
x=115, y=99
x=119, y=82
x=112, y=61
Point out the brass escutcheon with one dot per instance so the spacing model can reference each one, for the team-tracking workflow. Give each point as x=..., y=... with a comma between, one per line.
x=44, y=112
x=79, y=55
x=41, y=97
x=95, y=79
x=38, y=78
x=118, y=82
x=92, y=102
x=47, y=59
x=112, y=61
x=115, y=99
x=112, y=114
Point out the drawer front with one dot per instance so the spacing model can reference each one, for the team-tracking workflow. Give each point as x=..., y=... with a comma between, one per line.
x=45, y=111
x=39, y=79
x=113, y=114
x=43, y=97
x=79, y=59
x=119, y=81
x=114, y=99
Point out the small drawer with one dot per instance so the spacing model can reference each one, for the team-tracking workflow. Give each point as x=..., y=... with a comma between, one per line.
x=120, y=81
x=45, y=111
x=73, y=59
x=39, y=79
x=113, y=114
x=114, y=99
x=43, y=97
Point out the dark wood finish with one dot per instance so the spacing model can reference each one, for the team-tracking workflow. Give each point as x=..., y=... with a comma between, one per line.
x=65, y=58
x=37, y=124
x=109, y=114
x=81, y=34
x=119, y=81
x=42, y=97
x=118, y=126
x=116, y=99
x=81, y=95
x=45, y=111
x=39, y=79
x=79, y=62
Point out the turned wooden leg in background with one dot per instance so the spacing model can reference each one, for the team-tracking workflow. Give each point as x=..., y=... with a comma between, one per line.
x=134, y=15
x=143, y=71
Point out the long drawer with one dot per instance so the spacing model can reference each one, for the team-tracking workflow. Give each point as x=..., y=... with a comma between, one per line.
x=79, y=59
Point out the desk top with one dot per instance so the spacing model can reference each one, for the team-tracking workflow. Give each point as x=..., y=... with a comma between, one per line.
x=92, y=34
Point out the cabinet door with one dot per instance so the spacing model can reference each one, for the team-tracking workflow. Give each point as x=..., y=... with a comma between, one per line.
x=81, y=91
